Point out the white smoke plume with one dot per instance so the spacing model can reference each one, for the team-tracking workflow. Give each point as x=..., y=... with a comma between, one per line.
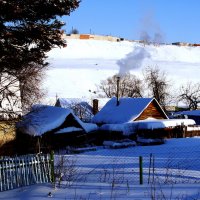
x=133, y=60
x=150, y=29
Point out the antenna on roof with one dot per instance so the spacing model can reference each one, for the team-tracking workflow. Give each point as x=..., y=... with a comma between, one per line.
x=56, y=97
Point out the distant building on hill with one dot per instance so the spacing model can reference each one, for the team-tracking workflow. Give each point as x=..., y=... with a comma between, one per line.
x=94, y=37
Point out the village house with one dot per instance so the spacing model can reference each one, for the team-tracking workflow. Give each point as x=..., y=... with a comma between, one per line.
x=49, y=127
x=133, y=116
x=129, y=110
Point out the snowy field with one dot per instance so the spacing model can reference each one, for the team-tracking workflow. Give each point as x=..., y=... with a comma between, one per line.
x=81, y=66
x=174, y=173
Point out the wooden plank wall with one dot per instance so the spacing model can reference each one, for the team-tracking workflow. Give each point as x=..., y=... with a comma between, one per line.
x=153, y=111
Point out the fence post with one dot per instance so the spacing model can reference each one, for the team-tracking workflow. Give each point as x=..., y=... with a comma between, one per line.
x=141, y=170
x=184, y=131
x=52, y=167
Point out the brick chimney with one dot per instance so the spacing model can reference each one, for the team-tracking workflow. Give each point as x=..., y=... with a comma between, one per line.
x=95, y=106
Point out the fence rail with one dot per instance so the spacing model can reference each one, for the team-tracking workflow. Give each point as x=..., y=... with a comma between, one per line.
x=24, y=170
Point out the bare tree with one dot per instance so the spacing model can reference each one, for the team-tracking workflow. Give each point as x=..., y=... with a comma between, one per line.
x=157, y=84
x=10, y=105
x=30, y=82
x=20, y=90
x=129, y=86
x=82, y=110
x=190, y=95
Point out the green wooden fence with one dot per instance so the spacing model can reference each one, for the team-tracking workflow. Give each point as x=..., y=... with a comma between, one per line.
x=24, y=170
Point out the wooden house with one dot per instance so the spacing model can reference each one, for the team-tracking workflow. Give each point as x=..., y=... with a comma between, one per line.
x=117, y=120
x=129, y=110
x=49, y=127
x=138, y=117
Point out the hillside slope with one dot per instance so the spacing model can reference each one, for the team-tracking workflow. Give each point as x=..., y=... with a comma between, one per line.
x=76, y=69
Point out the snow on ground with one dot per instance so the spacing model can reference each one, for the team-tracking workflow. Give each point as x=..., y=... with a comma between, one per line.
x=81, y=66
x=114, y=174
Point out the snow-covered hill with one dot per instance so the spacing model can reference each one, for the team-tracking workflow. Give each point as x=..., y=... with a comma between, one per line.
x=76, y=69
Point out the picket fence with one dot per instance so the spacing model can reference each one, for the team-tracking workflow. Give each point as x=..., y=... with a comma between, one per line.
x=24, y=170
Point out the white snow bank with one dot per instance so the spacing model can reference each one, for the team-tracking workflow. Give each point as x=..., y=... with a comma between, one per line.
x=119, y=144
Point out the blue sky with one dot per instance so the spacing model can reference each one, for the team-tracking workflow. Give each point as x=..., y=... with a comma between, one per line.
x=171, y=20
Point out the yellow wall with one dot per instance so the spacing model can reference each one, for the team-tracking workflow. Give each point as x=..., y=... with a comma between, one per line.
x=7, y=132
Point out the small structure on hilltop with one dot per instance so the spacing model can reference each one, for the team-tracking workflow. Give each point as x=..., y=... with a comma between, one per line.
x=48, y=127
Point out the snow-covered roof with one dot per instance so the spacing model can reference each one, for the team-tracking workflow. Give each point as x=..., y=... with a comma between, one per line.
x=102, y=102
x=68, y=130
x=42, y=119
x=190, y=112
x=127, y=110
x=46, y=118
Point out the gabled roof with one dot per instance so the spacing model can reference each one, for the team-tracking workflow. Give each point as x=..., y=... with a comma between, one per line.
x=46, y=118
x=128, y=110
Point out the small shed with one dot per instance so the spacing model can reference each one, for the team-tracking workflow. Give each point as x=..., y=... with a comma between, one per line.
x=50, y=127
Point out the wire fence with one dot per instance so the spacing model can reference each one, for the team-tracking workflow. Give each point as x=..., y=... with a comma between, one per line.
x=134, y=165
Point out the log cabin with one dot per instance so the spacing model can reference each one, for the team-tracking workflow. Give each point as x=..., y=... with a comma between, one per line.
x=129, y=110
